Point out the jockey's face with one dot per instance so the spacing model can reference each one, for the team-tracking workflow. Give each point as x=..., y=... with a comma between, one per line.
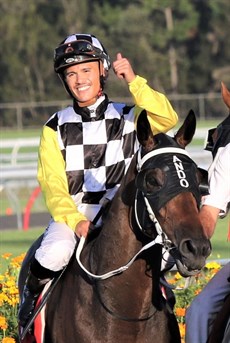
x=83, y=81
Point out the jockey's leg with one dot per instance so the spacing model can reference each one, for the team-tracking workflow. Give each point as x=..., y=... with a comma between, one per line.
x=35, y=282
x=51, y=257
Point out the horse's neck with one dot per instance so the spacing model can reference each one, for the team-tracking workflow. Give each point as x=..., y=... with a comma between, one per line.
x=116, y=236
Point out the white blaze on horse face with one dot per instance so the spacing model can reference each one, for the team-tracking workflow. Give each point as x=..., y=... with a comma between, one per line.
x=180, y=171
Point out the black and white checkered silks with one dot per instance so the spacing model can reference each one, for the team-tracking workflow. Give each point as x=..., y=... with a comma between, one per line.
x=97, y=148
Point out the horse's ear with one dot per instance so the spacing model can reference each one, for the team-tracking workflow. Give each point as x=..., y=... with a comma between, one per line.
x=144, y=132
x=186, y=132
x=225, y=94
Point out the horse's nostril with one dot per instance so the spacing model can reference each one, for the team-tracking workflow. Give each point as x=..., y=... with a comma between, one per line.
x=207, y=249
x=188, y=247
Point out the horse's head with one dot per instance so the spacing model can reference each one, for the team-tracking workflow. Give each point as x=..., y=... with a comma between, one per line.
x=168, y=194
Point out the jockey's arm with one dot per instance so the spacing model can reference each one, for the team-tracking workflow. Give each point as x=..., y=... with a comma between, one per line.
x=53, y=181
x=161, y=115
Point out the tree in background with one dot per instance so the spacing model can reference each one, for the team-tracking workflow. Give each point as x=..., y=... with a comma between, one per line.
x=208, y=51
x=178, y=45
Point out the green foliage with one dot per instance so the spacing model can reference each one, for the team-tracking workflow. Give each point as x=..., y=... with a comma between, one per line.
x=160, y=37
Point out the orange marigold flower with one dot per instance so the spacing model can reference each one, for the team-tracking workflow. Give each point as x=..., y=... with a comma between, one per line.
x=177, y=276
x=180, y=312
x=213, y=265
x=3, y=323
x=8, y=340
x=6, y=255
x=17, y=261
x=197, y=291
x=182, y=330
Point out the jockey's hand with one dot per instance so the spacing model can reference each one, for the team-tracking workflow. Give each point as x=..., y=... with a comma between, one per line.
x=82, y=228
x=123, y=69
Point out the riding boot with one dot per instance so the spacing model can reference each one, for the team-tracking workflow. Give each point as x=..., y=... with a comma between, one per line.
x=32, y=289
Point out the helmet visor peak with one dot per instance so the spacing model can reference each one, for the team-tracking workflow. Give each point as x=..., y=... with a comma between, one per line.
x=67, y=53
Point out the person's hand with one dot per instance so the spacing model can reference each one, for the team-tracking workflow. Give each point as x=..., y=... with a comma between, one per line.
x=123, y=69
x=82, y=228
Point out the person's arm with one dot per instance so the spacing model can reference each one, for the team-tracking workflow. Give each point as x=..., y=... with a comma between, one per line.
x=219, y=191
x=53, y=181
x=160, y=113
x=208, y=217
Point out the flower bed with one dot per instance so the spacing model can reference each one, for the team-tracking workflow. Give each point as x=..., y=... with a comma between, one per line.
x=187, y=289
x=9, y=297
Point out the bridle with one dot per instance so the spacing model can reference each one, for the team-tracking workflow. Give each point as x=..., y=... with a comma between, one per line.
x=179, y=170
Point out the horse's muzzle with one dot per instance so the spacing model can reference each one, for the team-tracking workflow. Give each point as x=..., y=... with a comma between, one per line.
x=191, y=255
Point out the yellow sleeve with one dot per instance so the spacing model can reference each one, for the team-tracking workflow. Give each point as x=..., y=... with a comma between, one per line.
x=161, y=115
x=53, y=181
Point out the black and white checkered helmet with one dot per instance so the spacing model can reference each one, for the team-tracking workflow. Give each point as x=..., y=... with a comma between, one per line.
x=79, y=48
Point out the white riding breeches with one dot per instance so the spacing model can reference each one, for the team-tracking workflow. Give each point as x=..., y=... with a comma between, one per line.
x=59, y=241
x=57, y=246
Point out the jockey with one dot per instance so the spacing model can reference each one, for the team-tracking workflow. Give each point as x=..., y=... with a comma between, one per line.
x=202, y=312
x=85, y=150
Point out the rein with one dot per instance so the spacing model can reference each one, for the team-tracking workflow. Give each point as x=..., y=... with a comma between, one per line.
x=158, y=240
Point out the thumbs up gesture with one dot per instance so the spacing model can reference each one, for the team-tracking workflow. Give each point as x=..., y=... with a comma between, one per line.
x=123, y=69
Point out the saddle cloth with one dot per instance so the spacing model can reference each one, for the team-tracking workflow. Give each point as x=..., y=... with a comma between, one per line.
x=39, y=322
x=37, y=331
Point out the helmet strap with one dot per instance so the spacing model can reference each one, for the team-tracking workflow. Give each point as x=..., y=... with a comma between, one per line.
x=102, y=76
x=100, y=93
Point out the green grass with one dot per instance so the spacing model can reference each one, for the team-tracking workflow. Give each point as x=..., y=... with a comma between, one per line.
x=17, y=242
x=26, y=133
x=220, y=244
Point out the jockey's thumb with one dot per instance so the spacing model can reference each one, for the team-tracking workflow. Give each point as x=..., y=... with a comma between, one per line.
x=119, y=56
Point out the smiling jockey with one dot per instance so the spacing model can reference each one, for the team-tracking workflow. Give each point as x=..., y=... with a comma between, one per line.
x=85, y=151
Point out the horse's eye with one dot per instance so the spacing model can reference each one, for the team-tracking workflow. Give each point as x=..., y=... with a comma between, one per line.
x=151, y=181
x=154, y=180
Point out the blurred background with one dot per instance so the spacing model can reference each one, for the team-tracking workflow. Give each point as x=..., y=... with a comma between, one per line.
x=181, y=47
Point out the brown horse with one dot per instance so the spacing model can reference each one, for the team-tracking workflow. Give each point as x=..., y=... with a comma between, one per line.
x=155, y=207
